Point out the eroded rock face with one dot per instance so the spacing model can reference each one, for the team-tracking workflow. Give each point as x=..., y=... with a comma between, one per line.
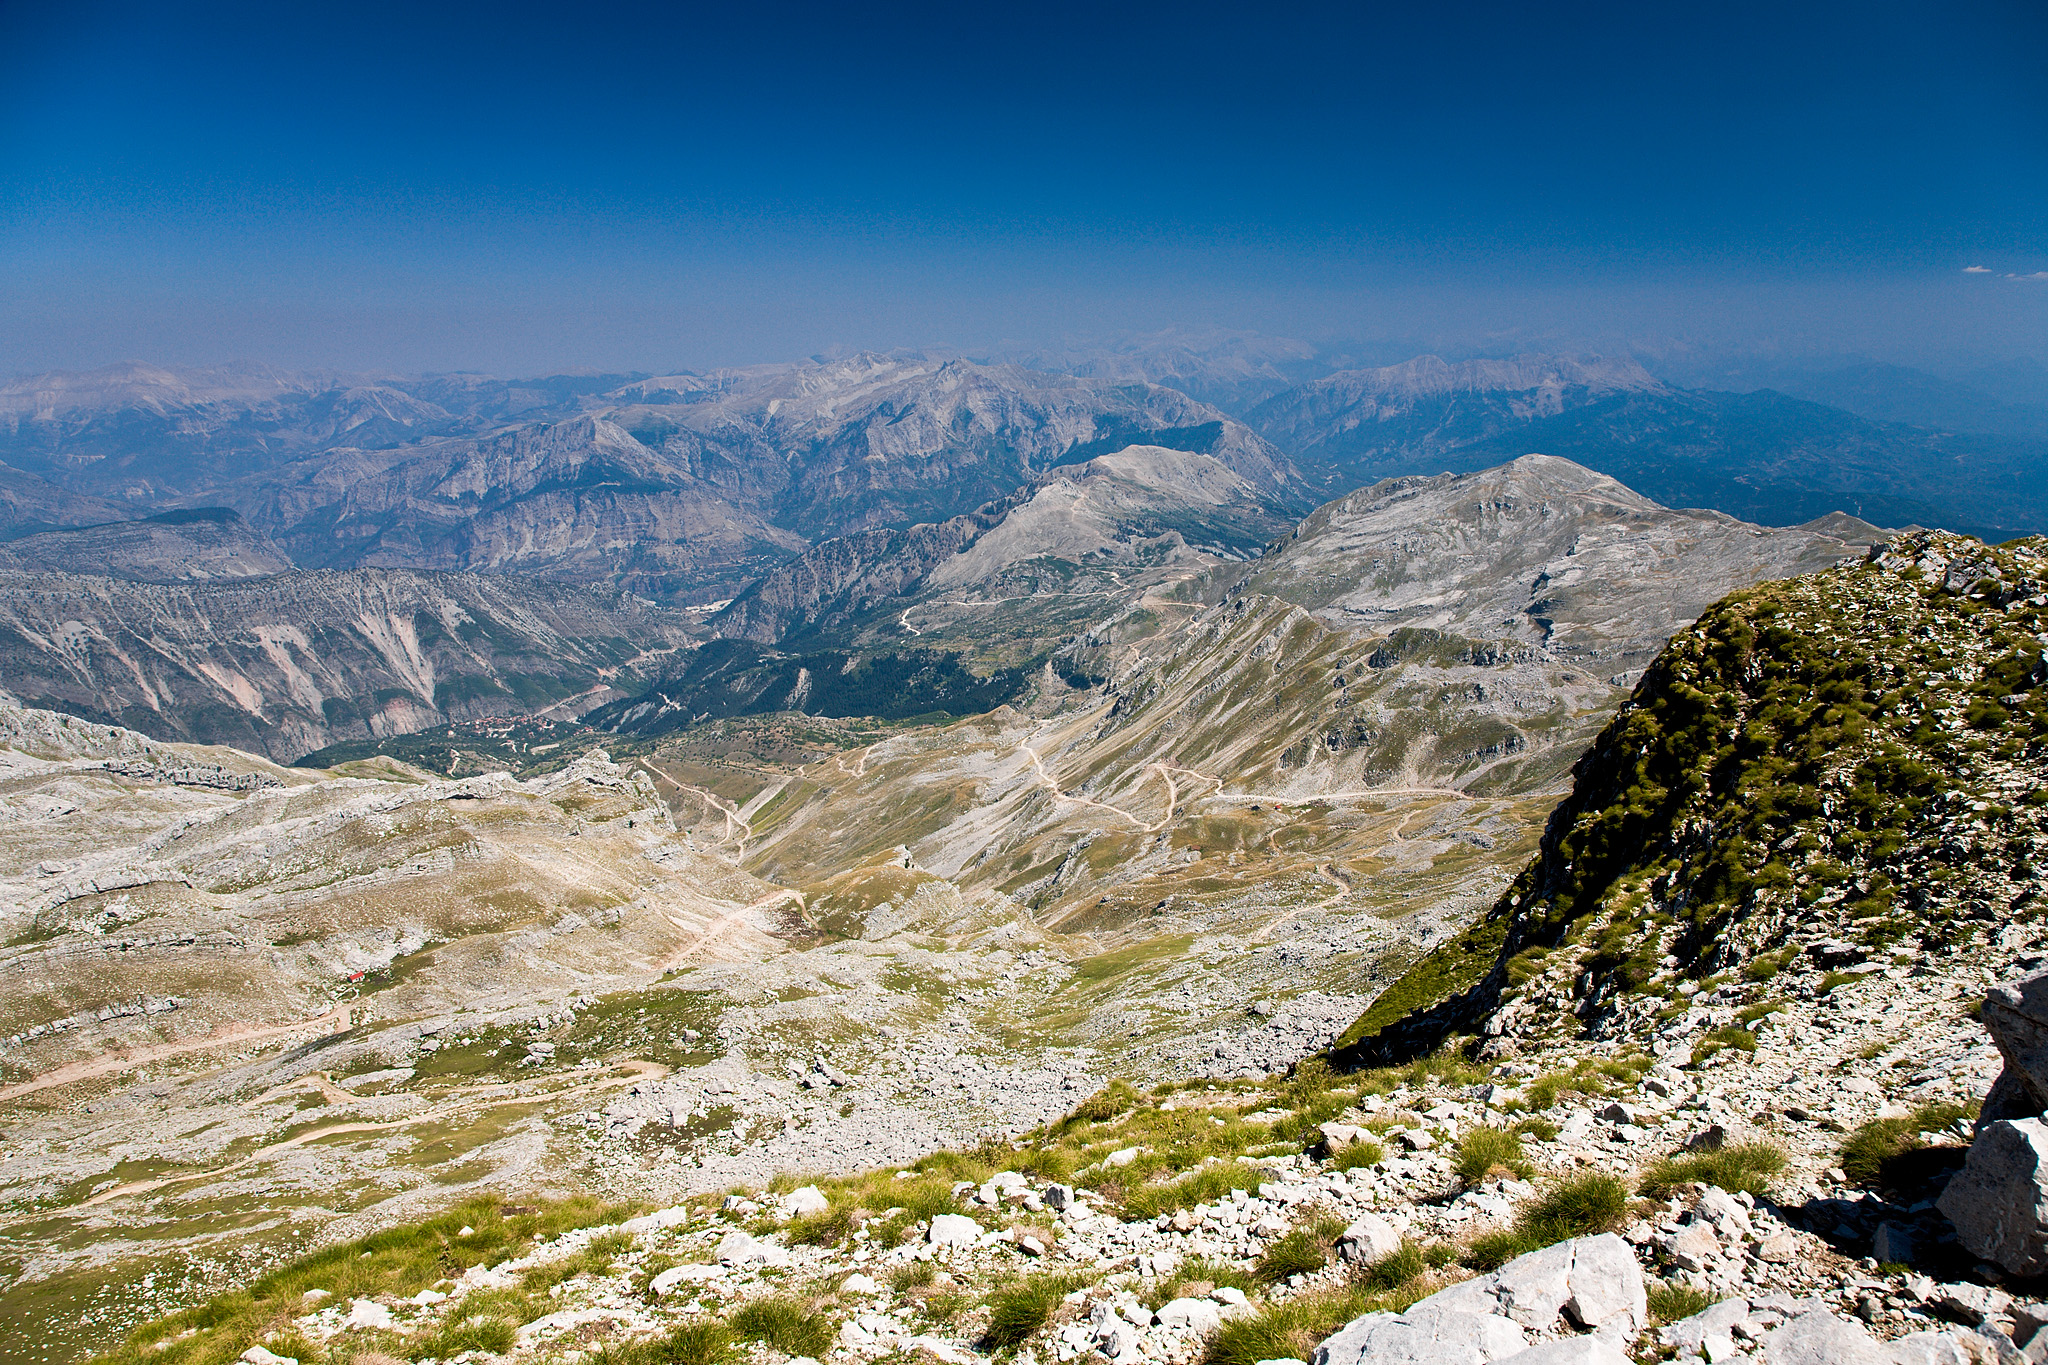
x=1999, y=1203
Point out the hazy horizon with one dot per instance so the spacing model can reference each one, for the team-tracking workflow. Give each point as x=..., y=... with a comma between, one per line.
x=515, y=191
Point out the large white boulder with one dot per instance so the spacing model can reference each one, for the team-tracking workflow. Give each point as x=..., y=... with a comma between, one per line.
x=740, y=1248
x=953, y=1230
x=1370, y=1238
x=1199, y=1315
x=808, y=1199
x=1588, y=1284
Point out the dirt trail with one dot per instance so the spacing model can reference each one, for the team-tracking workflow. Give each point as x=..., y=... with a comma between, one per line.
x=1166, y=772
x=111, y=1062
x=1038, y=766
x=711, y=801
x=730, y=918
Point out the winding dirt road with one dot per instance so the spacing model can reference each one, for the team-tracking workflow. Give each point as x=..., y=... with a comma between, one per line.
x=108, y=1063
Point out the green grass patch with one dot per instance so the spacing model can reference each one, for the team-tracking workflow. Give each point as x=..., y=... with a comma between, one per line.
x=1746, y=1169
x=1201, y=1186
x=474, y=1332
x=1302, y=1251
x=395, y=1262
x=694, y=1343
x=1396, y=1269
x=1018, y=1311
x=788, y=1324
x=1482, y=1150
x=1671, y=1302
x=1574, y=1208
x=1291, y=1329
x=1870, y=1153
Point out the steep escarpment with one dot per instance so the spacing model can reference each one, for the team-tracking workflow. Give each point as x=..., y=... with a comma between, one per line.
x=1826, y=771
x=289, y=664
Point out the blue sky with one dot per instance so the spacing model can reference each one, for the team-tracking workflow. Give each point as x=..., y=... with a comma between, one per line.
x=522, y=188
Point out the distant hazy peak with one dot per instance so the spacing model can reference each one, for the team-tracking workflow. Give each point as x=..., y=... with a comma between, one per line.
x=1533, y=476
x=157, y=388
x=1429, y=375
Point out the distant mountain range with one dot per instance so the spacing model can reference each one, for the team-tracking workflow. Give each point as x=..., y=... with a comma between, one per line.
x=681, y=487
x=690, y=488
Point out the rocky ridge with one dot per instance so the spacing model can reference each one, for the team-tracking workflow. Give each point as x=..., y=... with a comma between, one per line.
x=1839, y=765
x=203, y=543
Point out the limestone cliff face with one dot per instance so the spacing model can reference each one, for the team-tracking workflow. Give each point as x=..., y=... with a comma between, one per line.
x=293, y=663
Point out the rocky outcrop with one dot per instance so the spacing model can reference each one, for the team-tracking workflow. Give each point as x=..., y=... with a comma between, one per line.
x=1999, y=1202
x=2016, y=1017
x=1830, y=764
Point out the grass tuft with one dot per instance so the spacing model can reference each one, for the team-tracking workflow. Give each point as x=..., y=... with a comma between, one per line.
x=1575, y=1208
x=1671, y=1302
x=1483, y=1150
x=789, y=1325
x=1870, y=1155
x=694, y=1343
x=1303, y=1251
x=1017, y=1311
x=1396, y=1269
x=1739, y=1170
